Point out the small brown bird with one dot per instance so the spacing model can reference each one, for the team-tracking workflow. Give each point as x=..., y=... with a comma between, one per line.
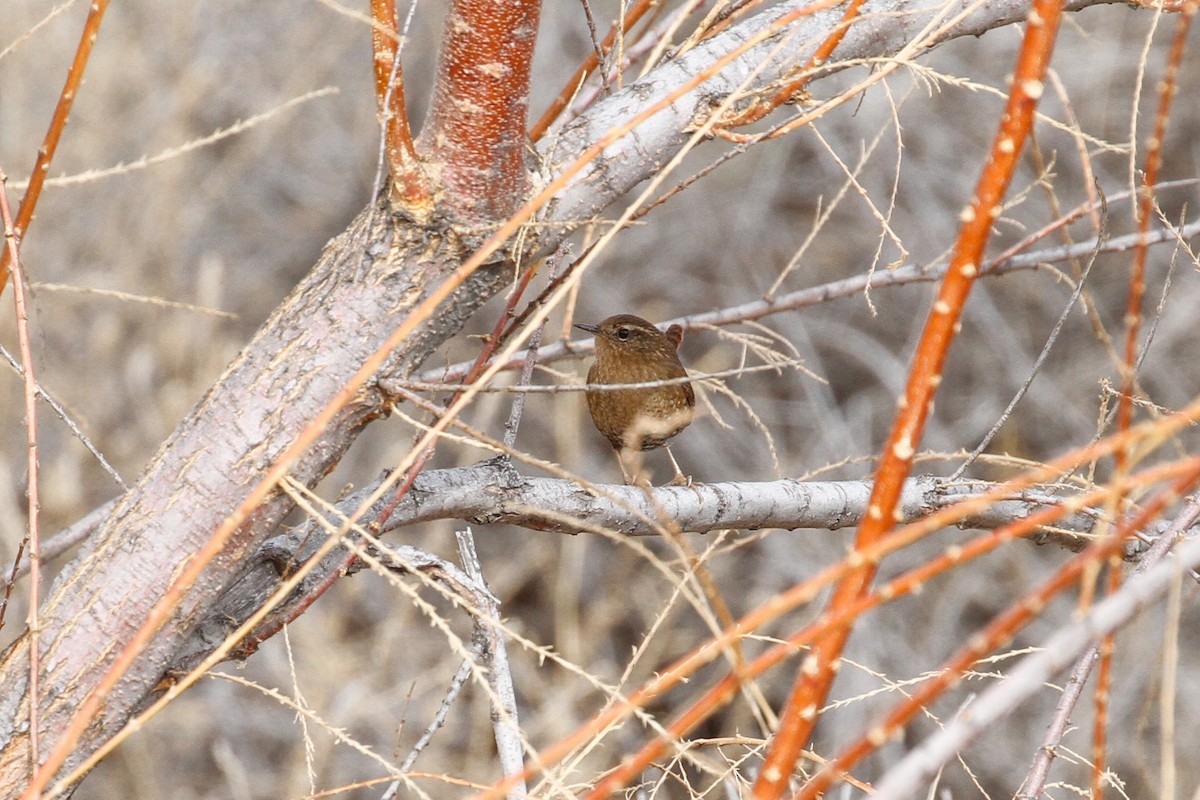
x=631, y=350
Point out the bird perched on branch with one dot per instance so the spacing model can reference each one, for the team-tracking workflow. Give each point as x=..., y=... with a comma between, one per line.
x=631, y=350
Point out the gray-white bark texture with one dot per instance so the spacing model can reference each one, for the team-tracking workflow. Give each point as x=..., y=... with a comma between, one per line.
x=365, y=281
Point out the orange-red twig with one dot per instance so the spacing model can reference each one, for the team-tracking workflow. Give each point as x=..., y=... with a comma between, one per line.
x=1101, y=694
x=1145, y=213
x=409, y=185
x=1133, y=317
x=58, y=123
x=818, y=670
x=785, y=93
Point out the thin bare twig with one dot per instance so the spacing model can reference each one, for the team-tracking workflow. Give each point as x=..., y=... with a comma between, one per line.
x=1038, y=362
x=535, y=340
x=146, y=161
x=537, y=388
x=71, y=424
x=12, y=250
x=1129, y=366
x=630, y=17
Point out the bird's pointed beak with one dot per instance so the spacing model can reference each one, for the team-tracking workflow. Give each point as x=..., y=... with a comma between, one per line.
x=592, y=329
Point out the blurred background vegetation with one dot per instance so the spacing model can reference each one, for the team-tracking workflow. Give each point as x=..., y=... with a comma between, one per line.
x=232, y=226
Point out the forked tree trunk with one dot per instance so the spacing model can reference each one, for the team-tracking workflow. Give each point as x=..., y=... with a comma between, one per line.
x=297, y=362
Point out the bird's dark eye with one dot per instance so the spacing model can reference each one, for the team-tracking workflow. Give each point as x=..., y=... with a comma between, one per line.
x=622, y=333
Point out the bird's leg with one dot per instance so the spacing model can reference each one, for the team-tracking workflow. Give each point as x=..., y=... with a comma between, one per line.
x=632, y=475
x=680, y=479
x=621, y=464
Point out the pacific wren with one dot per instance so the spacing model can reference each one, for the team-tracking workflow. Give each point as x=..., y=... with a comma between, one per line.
x=631, y=350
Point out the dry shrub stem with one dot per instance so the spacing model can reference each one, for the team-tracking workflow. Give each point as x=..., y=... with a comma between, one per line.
x=340, y=325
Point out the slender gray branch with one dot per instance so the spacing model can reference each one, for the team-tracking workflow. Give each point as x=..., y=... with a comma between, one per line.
x=491, y=492
x=848, y=287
